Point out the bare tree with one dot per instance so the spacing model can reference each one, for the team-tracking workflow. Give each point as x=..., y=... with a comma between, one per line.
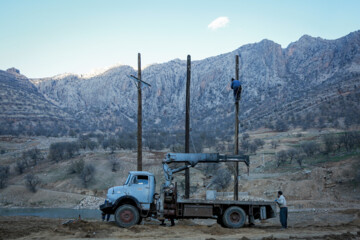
x=177, y=148
x=87, y=174
x=4, y=175
x=253, y=147
x=76, y=166
x=322, y=123
x=62, y=150
x=220, y=147
x=221, y=179
x=31, y=182
x=281, y=126
x=299, y=159
x=113, y=144
x=350, y=140
x=114, y=163
x=105, y=144
x=329, y=142
x=291, y=153
x=274, y=144
x=210, y=168
x=357, y=175
x=245, y=144
x=32, y=156
x=259, y=142
x=310, y=148
x=281, y=158
x=337, y=144
x=20, y=166
x=245, y=136
x=91, y=144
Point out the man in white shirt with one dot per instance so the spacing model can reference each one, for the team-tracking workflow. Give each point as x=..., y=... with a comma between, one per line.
x=281, y=201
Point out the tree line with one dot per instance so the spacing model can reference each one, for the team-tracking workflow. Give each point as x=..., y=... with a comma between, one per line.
x=62, y=151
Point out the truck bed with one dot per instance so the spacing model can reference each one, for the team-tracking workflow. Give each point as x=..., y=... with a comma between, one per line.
x=201, y=208
x=225, y=202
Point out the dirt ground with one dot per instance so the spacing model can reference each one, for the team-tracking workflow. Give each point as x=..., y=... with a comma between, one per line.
x=322, y=224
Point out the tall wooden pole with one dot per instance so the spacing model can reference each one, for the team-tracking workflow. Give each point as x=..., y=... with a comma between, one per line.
x=236, y=152
x=187, y=125
x=139, y=131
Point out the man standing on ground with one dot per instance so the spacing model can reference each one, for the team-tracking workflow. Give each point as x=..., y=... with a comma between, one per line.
x=236, y=86
x=281, y=201
x=105, y=214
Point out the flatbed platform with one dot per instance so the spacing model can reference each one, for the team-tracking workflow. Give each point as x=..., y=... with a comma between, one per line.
x=225, y=202
x=202, y=208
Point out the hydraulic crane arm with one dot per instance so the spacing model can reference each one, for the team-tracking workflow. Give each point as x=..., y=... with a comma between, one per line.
x=192, y=159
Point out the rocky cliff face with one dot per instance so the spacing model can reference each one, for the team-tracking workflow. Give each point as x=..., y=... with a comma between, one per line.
x=278, y=83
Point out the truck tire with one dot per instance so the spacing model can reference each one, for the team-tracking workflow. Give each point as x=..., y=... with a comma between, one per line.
x=234, y=217
x=126, y=216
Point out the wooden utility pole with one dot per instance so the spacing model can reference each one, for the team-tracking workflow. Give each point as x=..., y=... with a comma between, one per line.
x=236, y=152
x=139, y=131
x=187, y=125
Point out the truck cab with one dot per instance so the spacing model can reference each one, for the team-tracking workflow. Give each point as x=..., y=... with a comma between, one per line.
x=139, y=186
x=137, y=192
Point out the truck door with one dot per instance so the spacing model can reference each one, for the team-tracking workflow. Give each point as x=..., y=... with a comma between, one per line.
x=141, y=188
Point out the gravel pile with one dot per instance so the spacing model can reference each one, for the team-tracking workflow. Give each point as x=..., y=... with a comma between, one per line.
x=90, y=202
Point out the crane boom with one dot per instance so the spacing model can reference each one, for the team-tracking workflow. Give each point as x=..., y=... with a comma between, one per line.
x=192, y=159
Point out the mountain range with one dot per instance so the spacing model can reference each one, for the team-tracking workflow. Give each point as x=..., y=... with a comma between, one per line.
x=311, y=83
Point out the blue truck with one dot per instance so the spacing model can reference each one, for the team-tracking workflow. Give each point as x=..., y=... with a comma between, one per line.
x=137, y=198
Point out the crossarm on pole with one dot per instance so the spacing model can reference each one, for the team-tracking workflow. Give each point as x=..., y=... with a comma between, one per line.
x=139, y=80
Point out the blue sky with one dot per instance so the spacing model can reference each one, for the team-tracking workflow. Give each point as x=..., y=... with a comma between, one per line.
x=50, y=37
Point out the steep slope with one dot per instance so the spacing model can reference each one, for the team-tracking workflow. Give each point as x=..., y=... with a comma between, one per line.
x=24, y=110
x=278, y=84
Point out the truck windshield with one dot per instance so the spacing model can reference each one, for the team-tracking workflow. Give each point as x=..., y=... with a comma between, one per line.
x=128, y=180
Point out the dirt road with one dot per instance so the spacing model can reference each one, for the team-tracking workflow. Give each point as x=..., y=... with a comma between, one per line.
x=338, y=224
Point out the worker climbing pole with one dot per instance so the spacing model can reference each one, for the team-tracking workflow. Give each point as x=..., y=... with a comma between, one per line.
x=236, y=86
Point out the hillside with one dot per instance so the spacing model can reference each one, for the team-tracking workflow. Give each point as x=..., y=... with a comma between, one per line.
x=310, y=76
x=322, y=180
x=24, y=110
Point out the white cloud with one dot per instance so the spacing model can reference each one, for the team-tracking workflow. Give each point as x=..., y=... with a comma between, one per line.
x=219, y=22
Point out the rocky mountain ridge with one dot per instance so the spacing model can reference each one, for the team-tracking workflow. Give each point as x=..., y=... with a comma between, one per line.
x=278, y=84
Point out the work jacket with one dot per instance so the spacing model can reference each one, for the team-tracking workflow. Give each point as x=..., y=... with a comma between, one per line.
x=235, y=84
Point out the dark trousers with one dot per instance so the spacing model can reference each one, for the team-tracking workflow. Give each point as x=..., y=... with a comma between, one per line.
x=107, y=217
x=237, y=92
x=283, y=216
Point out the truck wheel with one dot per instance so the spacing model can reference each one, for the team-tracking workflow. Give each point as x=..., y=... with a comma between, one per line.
x=126, y=216
x=234, y=217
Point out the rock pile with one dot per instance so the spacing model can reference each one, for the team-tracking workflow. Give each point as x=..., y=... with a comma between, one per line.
x=90, y=202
